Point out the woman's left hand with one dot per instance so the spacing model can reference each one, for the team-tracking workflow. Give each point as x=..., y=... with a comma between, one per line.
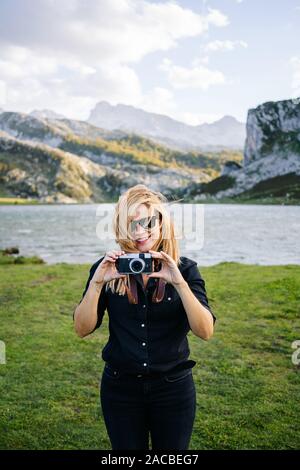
x=169, y=271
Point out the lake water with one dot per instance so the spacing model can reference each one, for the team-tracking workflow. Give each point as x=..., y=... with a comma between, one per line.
x=255, y=234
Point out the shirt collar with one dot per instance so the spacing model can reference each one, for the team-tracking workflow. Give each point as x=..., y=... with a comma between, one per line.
x=150, y=283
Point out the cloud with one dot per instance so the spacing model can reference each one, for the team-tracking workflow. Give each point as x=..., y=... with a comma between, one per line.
x=216, y=18
x=295, y=63
x=3, y=97
x=159, y=100
x=226, y=45
x=71, y=87
x=69, y=55
x=110, y=30
x=195, y=77
x=195, y=119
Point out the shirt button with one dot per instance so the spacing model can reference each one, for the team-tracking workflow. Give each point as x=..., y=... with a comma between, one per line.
x=145, y=363
x=144, y=344
x=143, y=324
x=144, y=306
x=169, y=298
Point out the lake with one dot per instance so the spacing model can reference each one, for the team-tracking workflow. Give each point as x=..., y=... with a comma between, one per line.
x=255, y=234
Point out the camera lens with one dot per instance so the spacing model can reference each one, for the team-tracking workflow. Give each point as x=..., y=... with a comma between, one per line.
x=136, y=265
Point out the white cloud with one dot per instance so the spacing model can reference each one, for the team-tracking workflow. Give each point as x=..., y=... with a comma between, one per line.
x=200, y=60
x=295, y=63
x=216, y=18
x=69, y=55
x=226, y=45
x=71, y=88
x=2, y=93
x=195, y=119
x=110, y=30
x=196, y=77
x=159, y=100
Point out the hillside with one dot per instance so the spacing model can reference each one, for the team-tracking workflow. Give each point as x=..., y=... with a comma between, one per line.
x=271, y=165
x=73, y=161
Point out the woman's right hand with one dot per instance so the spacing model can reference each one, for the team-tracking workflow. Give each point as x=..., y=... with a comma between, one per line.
x=106, y=271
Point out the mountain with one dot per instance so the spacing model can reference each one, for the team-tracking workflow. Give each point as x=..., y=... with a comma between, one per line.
x=51, y=131
x=37, y=171
x=224, y=133
x=63, y=160
x=46, y=114
x=271, y=165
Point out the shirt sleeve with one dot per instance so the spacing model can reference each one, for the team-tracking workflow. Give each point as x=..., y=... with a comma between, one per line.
x=102, y=302
x=197, y=286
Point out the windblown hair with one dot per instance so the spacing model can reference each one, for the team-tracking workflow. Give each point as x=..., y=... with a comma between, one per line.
x=124, y=213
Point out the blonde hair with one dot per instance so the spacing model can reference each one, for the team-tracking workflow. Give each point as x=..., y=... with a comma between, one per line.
x=166, y=241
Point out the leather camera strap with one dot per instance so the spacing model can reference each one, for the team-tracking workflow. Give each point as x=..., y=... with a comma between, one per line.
x=159, y=291
x=132, y=291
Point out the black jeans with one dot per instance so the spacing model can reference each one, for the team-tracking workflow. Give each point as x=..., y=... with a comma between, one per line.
x=134, y=406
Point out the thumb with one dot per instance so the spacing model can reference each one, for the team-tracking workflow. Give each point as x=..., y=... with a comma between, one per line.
x=120, y=275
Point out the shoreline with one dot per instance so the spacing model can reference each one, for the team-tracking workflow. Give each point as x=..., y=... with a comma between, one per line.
x=260, y=202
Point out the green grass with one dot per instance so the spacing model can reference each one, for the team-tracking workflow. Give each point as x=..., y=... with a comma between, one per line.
x=16, y=200
x=247, y=386
x=19, y=259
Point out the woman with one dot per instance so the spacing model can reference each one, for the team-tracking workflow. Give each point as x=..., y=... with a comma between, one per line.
x=147, y=384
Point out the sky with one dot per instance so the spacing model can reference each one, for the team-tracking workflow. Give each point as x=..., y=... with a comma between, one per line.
x=193, y=60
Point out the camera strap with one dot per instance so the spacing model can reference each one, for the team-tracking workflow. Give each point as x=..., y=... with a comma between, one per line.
x=159, y=291
x=132, y=291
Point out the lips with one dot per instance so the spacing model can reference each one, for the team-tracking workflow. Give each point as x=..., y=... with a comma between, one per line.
x=141, y=240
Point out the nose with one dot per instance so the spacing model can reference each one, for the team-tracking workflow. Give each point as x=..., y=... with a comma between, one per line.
x=139, y=231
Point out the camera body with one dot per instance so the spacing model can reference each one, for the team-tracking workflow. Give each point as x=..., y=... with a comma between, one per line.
x=134, y=263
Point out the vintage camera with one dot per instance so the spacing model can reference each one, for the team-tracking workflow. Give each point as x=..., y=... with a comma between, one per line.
x=135, y=263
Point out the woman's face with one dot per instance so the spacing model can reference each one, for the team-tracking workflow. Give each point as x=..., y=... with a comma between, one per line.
x=144, y=239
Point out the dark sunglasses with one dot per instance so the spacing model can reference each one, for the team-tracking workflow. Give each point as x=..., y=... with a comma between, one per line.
x=146, y=222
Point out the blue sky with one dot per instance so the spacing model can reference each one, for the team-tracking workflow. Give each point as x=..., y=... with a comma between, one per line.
x=193, y=60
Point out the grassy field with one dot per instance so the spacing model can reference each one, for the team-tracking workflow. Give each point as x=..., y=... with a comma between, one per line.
x=247, y=386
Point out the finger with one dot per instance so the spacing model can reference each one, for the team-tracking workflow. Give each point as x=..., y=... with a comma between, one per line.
x=167, y=257
x=156, y=274
x=111, y=260
x=155, y=254
x=115, y=253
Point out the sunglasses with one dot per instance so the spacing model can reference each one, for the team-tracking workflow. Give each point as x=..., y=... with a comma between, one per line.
x=146, y=222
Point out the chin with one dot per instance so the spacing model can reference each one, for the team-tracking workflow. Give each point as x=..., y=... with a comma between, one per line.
x=144, y=249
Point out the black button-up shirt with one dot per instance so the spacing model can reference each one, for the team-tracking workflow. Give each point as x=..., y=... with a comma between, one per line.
x=149, y=337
